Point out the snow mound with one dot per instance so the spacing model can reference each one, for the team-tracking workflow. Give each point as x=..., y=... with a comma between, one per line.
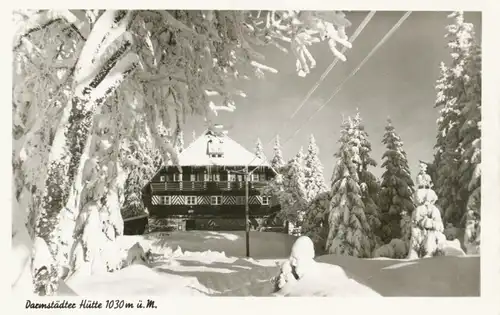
x=453, y=248
x=300, y=275
x=326, y=280
x=302, y=249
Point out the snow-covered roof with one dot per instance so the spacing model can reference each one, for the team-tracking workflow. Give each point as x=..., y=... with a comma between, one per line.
x=232, y=153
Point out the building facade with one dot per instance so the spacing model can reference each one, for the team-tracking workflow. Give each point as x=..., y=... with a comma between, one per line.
x=207, y=189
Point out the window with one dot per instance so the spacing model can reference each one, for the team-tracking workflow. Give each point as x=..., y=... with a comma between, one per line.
x=231, y=177
x=190, y=200
x=216, y=200
x=193, y=177
x=265, y=200
x=164, y=200
x=214, y=148
x=255, y=177
x=177, y=177
x=162, y=178
x=206, y=177
x=216, y=177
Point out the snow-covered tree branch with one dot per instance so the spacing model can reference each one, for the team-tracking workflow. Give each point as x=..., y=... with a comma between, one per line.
x=70, y=64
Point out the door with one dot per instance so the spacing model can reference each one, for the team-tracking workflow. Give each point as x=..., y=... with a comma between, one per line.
x=190, y=225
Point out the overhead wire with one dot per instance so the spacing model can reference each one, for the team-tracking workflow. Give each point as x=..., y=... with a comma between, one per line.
x=358, y=31
x=354, y=72
x=355, y=35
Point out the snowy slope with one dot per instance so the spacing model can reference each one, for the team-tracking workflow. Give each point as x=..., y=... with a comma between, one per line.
x=212, y=263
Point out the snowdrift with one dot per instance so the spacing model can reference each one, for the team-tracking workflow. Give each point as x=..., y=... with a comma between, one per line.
x=207, y=264
x=138, y=280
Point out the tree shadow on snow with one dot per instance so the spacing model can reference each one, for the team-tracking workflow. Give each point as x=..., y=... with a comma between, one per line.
x=240, y=278
x=263, y=245
x=432, y=277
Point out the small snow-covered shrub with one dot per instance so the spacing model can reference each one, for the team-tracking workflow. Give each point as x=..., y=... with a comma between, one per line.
x=385, y=250
x=396, y=249
x=298, y=264
x=286, y=275
x=136, y=254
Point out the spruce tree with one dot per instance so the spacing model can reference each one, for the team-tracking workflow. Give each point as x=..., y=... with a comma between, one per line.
x=292, y=197
x=369, y=184
x=313, y=171
x=397, y=188
x=349, y=232
x=317, y=195
x=277, y=162
x=275, y=187
x=452, y=98
x=470, y=164
x=315, y=224
x=259, y=150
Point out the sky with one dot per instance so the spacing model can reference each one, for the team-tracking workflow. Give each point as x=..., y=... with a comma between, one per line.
x=397, y=82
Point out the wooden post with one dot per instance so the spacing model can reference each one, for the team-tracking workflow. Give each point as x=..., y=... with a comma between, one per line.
x=247, y=210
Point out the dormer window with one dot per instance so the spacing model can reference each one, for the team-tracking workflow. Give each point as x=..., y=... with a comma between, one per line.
x=214, y=148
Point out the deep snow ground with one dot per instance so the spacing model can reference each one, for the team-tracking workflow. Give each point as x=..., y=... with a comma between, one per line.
x=200, y=263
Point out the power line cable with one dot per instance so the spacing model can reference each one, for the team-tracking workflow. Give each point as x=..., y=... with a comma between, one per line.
x=356, y=33
x=361, y=64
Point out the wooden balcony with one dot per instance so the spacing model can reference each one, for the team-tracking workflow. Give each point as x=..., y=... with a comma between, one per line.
x=210, y=211
x=202, y=186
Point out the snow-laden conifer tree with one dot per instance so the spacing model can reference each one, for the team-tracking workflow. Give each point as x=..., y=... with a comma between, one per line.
x=470, y=164
x=316, y=220
x=315, y=189
x=313, y=171
x=452, y=97
x=275, y=186
x=368, y=182
x=259, y=149
x=277, y=162
x=397, y=189
x=292, y=197
x=67, y=67
x=349, y=232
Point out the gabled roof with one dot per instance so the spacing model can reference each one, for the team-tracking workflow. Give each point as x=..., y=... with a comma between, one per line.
x=234, y=154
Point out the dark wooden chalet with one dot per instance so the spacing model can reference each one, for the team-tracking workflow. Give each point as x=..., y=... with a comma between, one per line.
x=209, y=192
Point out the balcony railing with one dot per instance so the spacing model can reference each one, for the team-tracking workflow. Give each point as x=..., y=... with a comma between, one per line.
x=200, y=186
